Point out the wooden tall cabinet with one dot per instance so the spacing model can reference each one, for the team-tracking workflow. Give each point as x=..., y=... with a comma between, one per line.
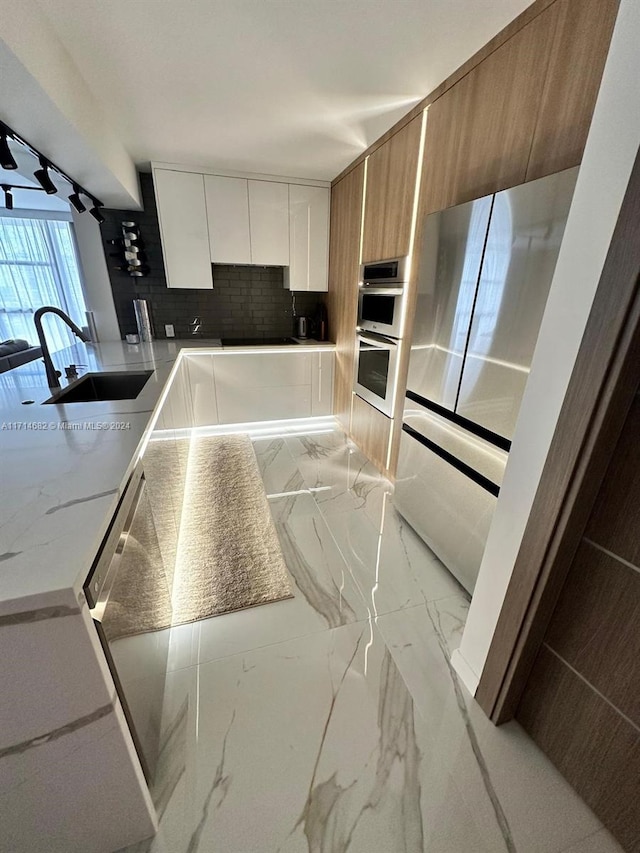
x=582, y=32
x=520, y=109
x=479, y=132
x=344, y=262
x=391, y=181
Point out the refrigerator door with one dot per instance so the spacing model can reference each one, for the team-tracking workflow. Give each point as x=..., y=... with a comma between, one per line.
x=448, y=272
x=446, y=488
x=527, y=224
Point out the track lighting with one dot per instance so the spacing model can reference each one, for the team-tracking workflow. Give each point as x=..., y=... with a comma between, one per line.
x=44, y=179
x=7, y=160
x=75, y=199
x=8, y=197
x=95, y=212
x=43, y=175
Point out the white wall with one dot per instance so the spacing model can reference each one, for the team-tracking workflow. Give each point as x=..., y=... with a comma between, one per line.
x=44, y=98
x=611, y=149
x=96, y=285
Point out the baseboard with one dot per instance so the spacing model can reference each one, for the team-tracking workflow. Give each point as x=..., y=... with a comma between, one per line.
x=468, y=676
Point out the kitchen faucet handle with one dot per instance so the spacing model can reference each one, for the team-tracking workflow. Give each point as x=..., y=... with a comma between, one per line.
x=71, y=372
x=57, y=372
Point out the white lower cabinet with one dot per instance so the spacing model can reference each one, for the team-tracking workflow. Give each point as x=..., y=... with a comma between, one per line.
x=230, y=388
x=202, y=388
x=322, y=383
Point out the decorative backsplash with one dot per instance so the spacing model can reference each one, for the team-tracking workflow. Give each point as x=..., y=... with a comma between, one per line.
x=246, y=301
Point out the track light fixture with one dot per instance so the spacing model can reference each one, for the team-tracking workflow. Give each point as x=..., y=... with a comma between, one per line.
x=95, y=212
x=7, y=160
x=8, y=197
x=43, y=177
x=75, y=199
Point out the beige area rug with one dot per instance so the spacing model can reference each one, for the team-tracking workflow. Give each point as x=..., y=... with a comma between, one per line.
x=213, y=547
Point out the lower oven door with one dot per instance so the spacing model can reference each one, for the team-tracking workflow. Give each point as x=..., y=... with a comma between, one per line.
x=127, y=584
x=377, y=371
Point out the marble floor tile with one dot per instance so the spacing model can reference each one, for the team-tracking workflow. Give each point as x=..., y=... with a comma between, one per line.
x=600, y=842
x=311, y=744
x=403, y=549
x=278, y=469
x=333, y=722
x=393, y=568
x=345, y=479
x=519, y=800
x=325, y=594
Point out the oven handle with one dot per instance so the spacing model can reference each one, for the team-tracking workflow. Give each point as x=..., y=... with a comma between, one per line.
x=376, y=290
x=378, y=341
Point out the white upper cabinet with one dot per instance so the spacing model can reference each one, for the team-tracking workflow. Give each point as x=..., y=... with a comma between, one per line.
x=269, y=223
x=220, y=219
x=228, y=217
x=308, y=237
x=182, y=213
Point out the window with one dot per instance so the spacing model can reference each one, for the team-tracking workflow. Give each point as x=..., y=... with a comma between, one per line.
x=38, y=266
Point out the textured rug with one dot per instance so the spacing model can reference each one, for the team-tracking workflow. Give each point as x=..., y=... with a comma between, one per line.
x=216, y=548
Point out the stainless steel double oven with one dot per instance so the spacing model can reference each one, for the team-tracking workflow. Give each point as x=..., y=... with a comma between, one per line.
x=381, y=319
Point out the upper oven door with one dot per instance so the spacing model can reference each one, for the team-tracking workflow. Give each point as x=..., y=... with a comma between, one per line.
x=377, y=372
x=380, y=310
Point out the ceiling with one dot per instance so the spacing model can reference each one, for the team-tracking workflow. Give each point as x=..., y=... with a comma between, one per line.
x=283, y=87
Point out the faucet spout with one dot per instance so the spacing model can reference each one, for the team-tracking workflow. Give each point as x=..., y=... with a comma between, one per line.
x=52, y=375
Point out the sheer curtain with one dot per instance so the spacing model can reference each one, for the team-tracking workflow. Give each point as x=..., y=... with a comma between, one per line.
x=38, y=266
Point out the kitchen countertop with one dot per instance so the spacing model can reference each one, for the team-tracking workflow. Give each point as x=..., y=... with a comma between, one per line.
x=60, y=486
x=63, y=467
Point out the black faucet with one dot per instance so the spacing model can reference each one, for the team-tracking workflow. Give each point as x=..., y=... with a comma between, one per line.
x=52, y=373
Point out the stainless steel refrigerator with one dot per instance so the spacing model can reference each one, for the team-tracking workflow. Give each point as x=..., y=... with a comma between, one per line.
x=483, y=279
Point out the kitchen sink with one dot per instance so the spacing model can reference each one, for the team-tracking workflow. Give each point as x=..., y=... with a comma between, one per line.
x=114, y=385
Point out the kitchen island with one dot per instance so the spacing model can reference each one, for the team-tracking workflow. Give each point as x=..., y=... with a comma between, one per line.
x=66, y=756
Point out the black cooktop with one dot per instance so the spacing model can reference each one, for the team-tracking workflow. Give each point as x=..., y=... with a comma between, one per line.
x=256, y=342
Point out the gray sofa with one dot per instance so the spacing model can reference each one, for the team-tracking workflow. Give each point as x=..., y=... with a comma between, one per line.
x=13, y=353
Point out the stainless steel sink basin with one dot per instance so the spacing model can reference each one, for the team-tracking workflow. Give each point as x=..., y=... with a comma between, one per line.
x=114, y=385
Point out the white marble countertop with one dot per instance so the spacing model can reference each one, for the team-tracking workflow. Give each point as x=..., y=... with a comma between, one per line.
x=62, y=467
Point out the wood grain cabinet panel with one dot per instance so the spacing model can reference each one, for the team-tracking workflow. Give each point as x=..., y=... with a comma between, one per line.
x=583, y=30
x=590, y=743
x=614, y=520
x=479, y=133
x=391, y=181
x=342, y=299
x=370, y=431
x=595, y=627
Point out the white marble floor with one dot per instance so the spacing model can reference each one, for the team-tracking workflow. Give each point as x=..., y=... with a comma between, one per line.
x=334, y=722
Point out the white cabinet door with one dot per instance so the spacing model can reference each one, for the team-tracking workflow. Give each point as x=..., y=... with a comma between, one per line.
x=269, y=223
x=183, y=227
x=322, y=383
x=228, y=217
x=308, y=237
x=202, y=387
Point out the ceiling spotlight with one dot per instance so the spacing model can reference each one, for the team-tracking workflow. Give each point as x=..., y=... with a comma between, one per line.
x=75, y=199
x=7, y=160
x=95, y=212
x=8, y=197
x=44, y=179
